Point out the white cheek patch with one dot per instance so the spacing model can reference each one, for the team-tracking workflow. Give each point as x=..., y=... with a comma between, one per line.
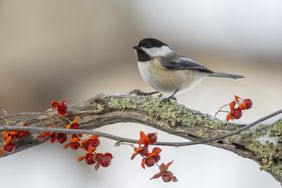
x=154, y=52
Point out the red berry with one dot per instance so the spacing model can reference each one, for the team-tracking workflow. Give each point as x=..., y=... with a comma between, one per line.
x=98, y=156
x=91, y=143
x=74, y=126
x=156, y=158
x=74, y=145
x=94, y=142
x=10, y=147
x=85, y=145
x=150, y=162
x=62, y=138
x=22, y=134
x=62, y=109
x=167, y=176
x=249, y=103
x=236, y=113
x=60, y=106
x=152, y=137
x=53, y=137
x=105, y=160
x=144, y=151
x=89, y=158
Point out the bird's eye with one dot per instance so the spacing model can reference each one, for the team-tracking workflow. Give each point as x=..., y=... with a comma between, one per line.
x=148, y=45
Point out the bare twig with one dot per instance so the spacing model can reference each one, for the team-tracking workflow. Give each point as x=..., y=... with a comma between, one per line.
x=219, y=110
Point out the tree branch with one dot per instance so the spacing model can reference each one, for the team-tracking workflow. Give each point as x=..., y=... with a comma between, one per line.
x=170, y=117
x=134, y=141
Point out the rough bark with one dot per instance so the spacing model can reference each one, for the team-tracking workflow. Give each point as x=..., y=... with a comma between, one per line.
x=262, y=144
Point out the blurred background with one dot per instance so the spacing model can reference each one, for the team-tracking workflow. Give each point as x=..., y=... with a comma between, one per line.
x=77, y=49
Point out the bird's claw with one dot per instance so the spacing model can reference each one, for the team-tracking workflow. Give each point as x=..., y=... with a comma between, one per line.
x=168, y=99
x=139, y=92
x=160, y=95
x=173, y=98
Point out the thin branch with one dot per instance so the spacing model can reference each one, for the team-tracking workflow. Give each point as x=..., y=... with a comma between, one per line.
x=128, y=140
x=219, y=110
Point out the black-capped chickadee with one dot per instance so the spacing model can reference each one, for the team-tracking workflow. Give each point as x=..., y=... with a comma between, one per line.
x=168, y=71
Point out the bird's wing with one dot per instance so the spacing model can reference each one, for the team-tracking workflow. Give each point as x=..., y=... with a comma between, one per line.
x=178, y=62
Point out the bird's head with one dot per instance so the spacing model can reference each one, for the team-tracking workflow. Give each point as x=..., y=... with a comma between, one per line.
x=149, y=48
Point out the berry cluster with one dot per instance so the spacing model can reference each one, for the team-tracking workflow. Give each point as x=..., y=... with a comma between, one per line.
x=10, y=139
x=149, y=159
x=89, y=145
x=91, y=157
x=235, y=108
x=236, y=112
x=62, y=137
x=99, y=159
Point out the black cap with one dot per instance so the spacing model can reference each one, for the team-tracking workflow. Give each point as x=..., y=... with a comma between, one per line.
x=150, y=43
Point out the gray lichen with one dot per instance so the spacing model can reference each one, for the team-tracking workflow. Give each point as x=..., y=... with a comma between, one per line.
x=171, y=112
x=270, y=153
x=98, y=108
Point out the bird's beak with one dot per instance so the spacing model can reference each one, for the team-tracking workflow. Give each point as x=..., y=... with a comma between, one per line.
x=136, y=47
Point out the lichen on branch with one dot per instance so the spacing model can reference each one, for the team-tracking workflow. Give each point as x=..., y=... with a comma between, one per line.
x=170, y=117
x=266, y=143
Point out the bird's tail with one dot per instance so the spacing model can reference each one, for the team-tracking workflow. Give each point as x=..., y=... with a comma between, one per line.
x=225, y=75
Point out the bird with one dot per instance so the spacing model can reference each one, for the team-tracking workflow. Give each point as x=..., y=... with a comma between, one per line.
x=167, y=71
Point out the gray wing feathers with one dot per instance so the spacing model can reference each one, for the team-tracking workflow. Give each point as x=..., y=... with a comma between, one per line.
x=182, y=63
x=177, y=62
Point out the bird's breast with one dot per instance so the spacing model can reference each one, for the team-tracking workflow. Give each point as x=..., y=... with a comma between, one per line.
x=165, y=80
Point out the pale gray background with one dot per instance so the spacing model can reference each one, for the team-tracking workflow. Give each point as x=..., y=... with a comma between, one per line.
x=76, y=49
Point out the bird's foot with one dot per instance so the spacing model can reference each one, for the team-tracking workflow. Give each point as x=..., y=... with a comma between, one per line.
x=168, y=99
x=160, y=95
x=139, y=92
